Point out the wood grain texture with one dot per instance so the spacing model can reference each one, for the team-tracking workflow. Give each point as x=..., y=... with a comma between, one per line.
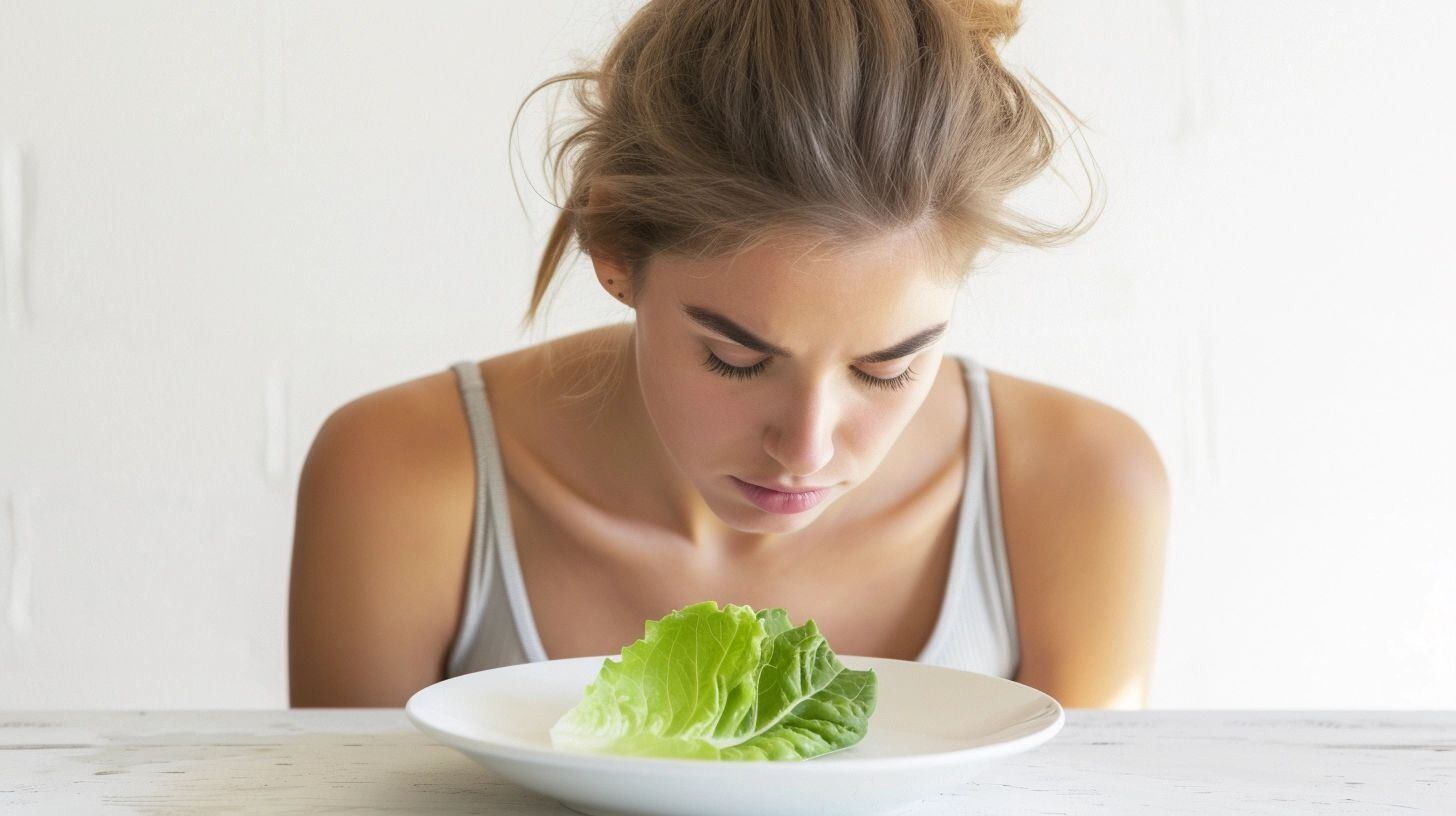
x=373, y=760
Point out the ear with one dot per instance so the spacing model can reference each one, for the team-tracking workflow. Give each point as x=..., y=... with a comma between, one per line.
x=611, y=270
x=612, y=275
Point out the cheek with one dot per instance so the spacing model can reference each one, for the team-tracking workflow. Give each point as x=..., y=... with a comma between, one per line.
x=869, y=431
x=709, y=427
x=720, y=422
x=691, y=408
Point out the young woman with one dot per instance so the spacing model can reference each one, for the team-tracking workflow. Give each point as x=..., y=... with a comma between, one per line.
x=788, y=196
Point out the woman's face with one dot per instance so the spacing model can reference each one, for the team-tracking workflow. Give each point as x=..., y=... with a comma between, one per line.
x=787, y=370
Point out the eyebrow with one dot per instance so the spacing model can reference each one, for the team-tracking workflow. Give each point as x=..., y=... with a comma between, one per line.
x=710, y=319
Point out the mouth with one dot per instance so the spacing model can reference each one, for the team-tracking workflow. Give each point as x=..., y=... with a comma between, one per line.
x=783, y=502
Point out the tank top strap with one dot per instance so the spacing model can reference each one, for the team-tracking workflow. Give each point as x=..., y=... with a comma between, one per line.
x=482, y=435
x=978, y=629
x=994, y=569
x=494, y=568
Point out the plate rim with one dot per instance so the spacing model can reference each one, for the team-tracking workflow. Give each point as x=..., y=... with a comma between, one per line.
x=613, y=762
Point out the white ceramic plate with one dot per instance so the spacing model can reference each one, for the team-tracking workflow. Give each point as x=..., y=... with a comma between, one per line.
x=933, y=728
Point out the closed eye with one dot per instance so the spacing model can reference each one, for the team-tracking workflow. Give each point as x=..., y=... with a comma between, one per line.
x=715, y=364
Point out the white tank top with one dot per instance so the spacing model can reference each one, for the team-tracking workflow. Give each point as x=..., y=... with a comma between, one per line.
x=975, y=629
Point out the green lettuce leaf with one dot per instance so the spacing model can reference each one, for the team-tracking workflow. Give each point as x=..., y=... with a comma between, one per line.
x=726, y=684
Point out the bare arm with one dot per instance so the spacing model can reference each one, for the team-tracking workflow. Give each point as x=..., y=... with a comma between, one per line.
x=378, y=551
x=1090, y=518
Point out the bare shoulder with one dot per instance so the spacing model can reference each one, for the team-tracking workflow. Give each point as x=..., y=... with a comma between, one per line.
x=415, y=435
x=408, y=440
x=1085, y=504
x=381, y=531
x=1051, y=435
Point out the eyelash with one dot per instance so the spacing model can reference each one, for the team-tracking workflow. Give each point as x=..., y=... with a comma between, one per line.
x=713, y=363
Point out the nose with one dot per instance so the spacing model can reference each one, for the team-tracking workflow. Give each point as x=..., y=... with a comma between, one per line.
x=801, y=439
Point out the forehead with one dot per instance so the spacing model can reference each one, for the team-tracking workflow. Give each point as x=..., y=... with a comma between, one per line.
x=887, y=281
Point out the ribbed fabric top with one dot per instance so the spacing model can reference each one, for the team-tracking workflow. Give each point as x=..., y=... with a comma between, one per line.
x=975, y=630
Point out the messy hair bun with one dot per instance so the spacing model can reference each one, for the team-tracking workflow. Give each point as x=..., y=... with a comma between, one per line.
x=713, y=125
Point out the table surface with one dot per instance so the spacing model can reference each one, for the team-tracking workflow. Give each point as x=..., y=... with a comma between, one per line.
x=373, y=759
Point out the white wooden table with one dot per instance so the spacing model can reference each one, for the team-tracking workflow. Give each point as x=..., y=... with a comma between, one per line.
x=373, y=760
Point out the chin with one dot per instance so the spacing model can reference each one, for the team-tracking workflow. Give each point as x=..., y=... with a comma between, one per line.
x=746, y=518
x=757, y=521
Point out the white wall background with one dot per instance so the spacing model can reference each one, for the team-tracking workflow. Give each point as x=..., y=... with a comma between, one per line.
x=221, y=220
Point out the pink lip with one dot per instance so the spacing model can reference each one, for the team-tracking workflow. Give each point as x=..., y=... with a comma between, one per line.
x=779, y=501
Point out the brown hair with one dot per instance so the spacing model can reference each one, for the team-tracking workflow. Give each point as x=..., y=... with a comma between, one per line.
x=713, y=125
